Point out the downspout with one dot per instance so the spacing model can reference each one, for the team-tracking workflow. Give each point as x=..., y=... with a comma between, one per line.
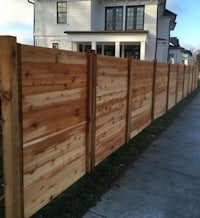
x=168, y=43
x=33, y=3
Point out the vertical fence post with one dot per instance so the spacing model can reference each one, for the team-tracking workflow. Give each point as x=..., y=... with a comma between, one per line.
x=91, y=129
x=153, y=90
x=12, y=127
x=129, y=98
x=168, y=83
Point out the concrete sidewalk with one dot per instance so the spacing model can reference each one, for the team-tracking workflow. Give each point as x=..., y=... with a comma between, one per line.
x=165, y=181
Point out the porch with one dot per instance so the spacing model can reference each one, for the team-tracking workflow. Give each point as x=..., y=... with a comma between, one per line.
x=112, y=43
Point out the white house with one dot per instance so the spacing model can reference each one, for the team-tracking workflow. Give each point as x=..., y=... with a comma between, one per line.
x=177, y=54
x=139, y=28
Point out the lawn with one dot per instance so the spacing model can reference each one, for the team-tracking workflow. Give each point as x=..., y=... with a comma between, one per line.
x=77, y=199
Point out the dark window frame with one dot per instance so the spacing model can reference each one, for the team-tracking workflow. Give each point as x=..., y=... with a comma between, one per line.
x=61, y=13
x=109, y=50
x=113, y=18
x=55, y=45
x=132, y=50
x=134, y=27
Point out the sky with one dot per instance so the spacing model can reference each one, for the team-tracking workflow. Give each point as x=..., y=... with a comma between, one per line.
x=16, y=19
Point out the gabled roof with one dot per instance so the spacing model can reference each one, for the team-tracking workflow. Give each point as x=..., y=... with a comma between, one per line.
x=174, y=42
x=170, y=14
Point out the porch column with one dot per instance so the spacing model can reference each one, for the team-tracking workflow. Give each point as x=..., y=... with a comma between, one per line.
x=93, y=45
x=74, y=46
x=122, y=51
x=117, y=49
x=69, y=46
x=102, y=52
x=142, y=50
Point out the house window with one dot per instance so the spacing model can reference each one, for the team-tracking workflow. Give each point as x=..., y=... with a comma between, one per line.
x=132, y=51
x=84, y=47
x=61, y=12
x=114, y=18
x=55, y=45
x=109, y=50
x=135, y=17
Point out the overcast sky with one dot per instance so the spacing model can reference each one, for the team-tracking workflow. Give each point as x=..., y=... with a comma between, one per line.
x=188, y=18
x=16, y=18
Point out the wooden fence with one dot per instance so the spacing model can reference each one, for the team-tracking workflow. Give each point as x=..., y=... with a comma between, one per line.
x=64, y=112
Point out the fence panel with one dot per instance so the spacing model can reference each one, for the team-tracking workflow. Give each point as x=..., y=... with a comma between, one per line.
x=172, y=86
x=111, y=105
x=161, y=83
x=64, y=112
x=142, y=95
x=54, y=89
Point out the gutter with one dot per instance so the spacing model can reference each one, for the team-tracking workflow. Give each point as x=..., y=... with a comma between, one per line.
x=33, y=3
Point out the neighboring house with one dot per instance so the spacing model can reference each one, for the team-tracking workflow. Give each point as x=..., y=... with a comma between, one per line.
x=138, y=28
x=187, y=57
x=177, y=54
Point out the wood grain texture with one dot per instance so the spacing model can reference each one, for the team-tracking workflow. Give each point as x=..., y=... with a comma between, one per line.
x=12, y=127
x=190, y=79
x=65, y=112
x=172, y=86
x=129, y=99
x=111, y=105
x=186, y=80
x=161, y=89
x=142, y=95
x=54, y=97
x=52, y=165
x=180, y=83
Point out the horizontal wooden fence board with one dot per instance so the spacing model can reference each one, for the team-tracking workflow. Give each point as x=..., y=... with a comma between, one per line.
x=65, y=78
x=47, y=55
x=38, y=101
x=112, y=80
x=41, y=122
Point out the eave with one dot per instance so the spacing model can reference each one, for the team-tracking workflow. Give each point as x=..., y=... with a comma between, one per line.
x=107, y=31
